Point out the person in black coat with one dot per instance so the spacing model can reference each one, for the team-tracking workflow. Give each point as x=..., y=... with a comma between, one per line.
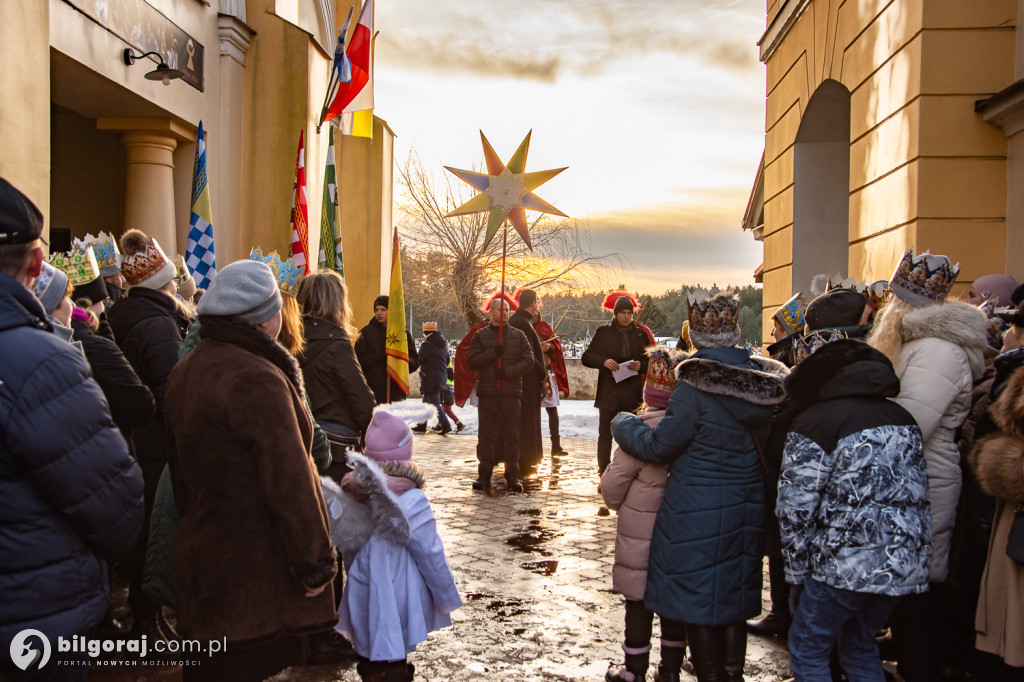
x=531, y=448
x=370, y=349
x=619, y=343
x=434, y=359
x=500, y=368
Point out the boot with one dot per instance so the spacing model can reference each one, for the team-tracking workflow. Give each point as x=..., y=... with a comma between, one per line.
x=513, y=484
x=483, y=478
x=635, y=669
x=459, y=426
x=556, y=446
x=734, y=651
x=673, y=655
x=773, y=624
x=705, y=645
x=419, y=428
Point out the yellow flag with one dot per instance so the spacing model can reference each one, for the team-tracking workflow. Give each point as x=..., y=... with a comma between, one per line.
x=396, y=340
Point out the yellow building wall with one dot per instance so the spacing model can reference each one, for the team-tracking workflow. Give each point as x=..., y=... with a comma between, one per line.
x=925, y=170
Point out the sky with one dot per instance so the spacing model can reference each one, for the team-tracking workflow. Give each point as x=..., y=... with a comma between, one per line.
x=656, y=107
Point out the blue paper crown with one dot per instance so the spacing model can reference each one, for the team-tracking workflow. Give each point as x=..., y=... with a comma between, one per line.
x=287, y=272
x=925, y=279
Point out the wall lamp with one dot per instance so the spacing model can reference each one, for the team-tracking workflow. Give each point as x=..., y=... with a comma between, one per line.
x=162, y=72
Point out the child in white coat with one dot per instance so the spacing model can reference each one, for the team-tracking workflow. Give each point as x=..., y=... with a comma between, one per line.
x=399, y=586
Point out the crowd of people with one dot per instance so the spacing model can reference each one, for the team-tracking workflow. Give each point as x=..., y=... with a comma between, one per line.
x=206, y=446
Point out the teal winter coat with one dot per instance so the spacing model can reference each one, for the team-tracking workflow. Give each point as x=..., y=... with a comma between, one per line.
x=708, y=542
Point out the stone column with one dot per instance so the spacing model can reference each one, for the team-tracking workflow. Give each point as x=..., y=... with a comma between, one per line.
x=149, y=146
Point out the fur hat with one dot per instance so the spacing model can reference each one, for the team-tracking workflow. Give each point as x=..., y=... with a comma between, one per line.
x=245, y=289
x=997, y=287
x=661, y=375
x=108, y=256
x=997, y=326
x=611, y=301
x=512, y=305
x=49, y=287
x=835, y=308
x=714, y=320
x=145, y=264
x=381, y=300
x=388, y=438
x=20, y=221
x=923, y=280
x=791, y=314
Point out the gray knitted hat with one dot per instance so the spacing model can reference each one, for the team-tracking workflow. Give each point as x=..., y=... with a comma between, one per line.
x=246, y=289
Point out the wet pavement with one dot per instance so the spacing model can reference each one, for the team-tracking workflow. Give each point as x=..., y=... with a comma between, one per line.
x=534, y=571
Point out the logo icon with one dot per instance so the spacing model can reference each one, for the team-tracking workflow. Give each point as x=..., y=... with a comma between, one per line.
x=24, y=655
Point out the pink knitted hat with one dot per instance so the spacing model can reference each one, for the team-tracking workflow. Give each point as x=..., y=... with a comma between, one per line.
x=388, y=438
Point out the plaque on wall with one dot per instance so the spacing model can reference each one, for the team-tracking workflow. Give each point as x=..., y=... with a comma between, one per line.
x=147, y=30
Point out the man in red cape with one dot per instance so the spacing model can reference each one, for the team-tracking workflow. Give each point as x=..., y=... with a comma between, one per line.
x=465, y=378
x=554, y=362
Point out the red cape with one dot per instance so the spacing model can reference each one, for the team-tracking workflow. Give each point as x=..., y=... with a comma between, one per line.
x=545, y=332
x=650, y=334
x=465, y=378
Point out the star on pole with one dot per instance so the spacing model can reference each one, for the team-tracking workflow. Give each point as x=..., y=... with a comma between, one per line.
x=506, y=191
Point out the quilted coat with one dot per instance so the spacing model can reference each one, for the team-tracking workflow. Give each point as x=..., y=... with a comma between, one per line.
x=634, y=489
x=433, y=354
x=943, y=354
x=705, y=562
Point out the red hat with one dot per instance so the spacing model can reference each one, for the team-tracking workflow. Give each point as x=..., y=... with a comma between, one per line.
x=611, y=298
x=512, y=304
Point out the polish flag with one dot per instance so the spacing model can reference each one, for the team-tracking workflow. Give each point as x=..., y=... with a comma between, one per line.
x=360, y=55
x=300, y=213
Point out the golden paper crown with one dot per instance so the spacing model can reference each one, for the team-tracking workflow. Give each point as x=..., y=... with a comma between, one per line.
x=139, y=267
x=287, y=272
x=78, y=264
x=429, y=327
x=181, y=273
x=104, y=246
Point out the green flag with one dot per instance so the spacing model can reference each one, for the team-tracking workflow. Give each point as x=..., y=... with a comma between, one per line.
x=330, y=240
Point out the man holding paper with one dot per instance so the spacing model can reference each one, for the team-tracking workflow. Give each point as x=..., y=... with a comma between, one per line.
x=617, y=352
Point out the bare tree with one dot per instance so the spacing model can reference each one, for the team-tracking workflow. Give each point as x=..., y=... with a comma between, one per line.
x=444, y=261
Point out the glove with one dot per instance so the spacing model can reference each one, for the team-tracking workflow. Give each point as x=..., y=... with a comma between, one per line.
x=499, y=350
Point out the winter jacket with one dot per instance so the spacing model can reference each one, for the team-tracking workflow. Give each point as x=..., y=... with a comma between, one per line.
x=247, y=491
x=607, y=343
x=70, y=493
x=705, y=562
x=131, y=402
x=433, y=355
x=517, y=360
x=372, y=359
x=998, y=461
x=853, y=494
x=399, y=586
x=336, y=385
x=634, y=489
x=149, y=328
x=943, y=354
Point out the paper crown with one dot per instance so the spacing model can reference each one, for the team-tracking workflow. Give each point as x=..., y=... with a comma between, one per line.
x=78, y=264
x=997, y=326
x=512, y=305
x=612, y=297
x=43, y=280
x=430, y=326
x=875, y=293
x=791, y=314
x=181, y=273
x=287, y=272
x=660, y=369
x=708, y=315
x=925, y=279
x=139, y=267
x=804, y=346
x=105, y=248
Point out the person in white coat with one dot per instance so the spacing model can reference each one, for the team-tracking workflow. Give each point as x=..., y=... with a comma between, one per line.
x=937, y=349
x=399, y=587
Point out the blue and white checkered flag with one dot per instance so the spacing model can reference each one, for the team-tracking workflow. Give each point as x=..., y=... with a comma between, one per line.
x=199, y=255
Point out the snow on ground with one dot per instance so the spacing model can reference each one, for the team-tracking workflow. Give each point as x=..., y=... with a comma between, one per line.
x=576, y=419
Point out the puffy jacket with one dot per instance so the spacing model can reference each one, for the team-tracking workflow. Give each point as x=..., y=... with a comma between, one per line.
x=337, y=388
x=370, y=349
x=70, y=494
x=607, y=344
x=634, y=489
x=853, y=494
x=942, y=355
x=434, y=358
x=705, y=563
x=516, y=361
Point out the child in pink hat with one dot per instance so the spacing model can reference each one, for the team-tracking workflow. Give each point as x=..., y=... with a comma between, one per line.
x=399, y=586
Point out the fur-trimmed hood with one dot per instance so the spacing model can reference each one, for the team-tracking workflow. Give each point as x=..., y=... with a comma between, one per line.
x=960, y=324
x=998, y=459
x=762, y=386
x=353, y=523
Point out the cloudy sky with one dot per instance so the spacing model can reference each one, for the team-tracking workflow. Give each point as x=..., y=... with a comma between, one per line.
x=656, y=106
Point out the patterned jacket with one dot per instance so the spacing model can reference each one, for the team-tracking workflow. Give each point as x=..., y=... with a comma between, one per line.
x=853, y=495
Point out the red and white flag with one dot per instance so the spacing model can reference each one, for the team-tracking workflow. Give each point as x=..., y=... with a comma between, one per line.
x=300, y=213
x=357, y=94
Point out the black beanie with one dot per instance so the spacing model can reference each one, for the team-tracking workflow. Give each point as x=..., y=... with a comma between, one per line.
x=836, y=308
x=623, y=303
x=381, y=300
x=527, y=297
x=95, y=291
